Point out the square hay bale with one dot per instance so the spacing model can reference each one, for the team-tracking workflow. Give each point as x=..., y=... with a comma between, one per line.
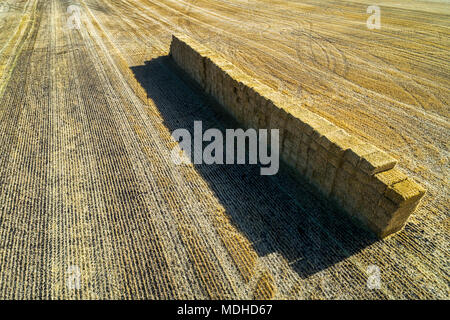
x=376, y=162
x=382, y=180
x=334, y=160
x=356, y=152
x=349, y=168
x=303, y=150
x=328, y=179
x=327, y=140
x=339, y=144
x=322, y=130
x=301, y=164
x=404, y=192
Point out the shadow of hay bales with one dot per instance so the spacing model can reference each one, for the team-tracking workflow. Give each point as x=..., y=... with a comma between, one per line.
x=278, y=214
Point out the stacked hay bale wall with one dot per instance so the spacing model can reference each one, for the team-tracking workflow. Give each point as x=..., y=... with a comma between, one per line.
x=358, y=176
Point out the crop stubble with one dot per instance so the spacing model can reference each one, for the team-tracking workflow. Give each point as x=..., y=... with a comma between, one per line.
x=86, y=176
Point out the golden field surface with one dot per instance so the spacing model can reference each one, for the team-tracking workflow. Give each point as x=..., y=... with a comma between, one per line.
x=88, y=190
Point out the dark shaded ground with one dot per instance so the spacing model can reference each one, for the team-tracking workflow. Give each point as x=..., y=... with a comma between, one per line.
x=276, y=213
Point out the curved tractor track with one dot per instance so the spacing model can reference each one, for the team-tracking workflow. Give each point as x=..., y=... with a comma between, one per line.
x=91, y=205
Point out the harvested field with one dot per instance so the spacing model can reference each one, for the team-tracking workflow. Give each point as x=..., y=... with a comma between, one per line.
x=93, y=207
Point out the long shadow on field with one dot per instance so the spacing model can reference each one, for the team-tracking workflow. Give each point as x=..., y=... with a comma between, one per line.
x=279, y=215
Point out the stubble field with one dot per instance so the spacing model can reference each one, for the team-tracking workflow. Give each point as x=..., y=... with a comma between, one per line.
x=89, y=194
